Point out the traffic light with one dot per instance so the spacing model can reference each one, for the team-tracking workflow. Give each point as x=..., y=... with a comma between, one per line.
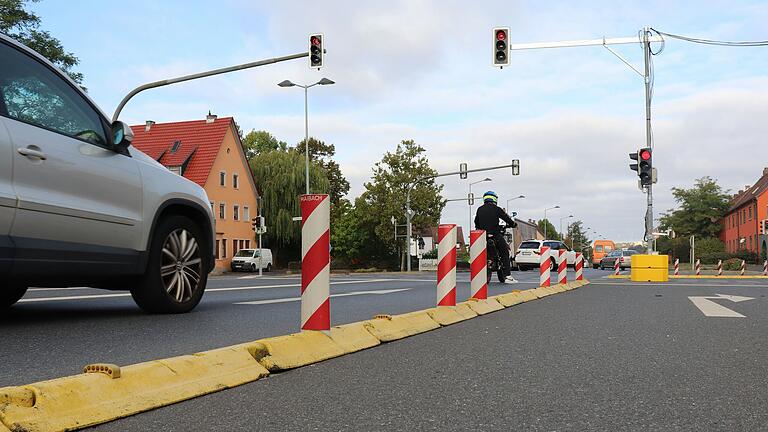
x=643, y=166
x=316, y=51
x=645, y=169
x=258, y=224
x=501, y=46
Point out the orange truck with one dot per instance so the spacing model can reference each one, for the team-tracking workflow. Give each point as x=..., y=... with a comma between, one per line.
x=601, y=248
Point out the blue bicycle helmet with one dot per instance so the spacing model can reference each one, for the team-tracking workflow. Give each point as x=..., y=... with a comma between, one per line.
x=491, y=196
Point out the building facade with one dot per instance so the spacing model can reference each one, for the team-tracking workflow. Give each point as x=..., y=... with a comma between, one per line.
x=209, y=153
x=744, y=226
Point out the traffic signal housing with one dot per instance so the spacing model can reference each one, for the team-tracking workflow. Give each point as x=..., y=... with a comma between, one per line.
x=644, y=165
x=501, y=46
x=316, y=51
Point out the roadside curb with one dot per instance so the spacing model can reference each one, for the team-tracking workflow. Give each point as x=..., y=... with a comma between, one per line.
x=698, y=277
x=107, y=392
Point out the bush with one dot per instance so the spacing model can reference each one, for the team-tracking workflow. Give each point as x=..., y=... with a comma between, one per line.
x=430, y=255
x=732, y=264
x=746, y=255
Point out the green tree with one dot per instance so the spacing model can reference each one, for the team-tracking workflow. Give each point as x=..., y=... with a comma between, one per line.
x=258, y=142
x=546, y=226
x=576, y=237
x=24, y=26
x=324, y=153
x=279, y=176
x=699, y=211
x=385, y=196
x=347, y=235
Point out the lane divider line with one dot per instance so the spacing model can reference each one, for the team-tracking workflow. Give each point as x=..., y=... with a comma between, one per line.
x=106, y=392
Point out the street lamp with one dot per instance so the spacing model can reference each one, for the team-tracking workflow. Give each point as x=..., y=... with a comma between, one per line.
x=561, y=226
x=512, y=199
x=288, y=83
x=487, y=179
x=547, y=221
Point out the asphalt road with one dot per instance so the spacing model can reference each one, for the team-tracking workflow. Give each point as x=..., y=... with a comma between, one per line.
x=54, y=332
x=611, y=356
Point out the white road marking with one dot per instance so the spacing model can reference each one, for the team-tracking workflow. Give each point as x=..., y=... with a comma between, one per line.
x=712, y=309
x=246, y=288
x=295, y=299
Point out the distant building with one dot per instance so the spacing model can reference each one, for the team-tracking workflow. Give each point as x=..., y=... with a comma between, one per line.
x=744, y=226
x=209, y=153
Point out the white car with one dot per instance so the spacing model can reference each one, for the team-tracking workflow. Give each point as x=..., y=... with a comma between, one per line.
x=80, y=207
x=248, y=260
x=528, y=254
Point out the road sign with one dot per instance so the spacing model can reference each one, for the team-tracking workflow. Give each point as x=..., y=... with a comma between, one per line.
x=712, y=309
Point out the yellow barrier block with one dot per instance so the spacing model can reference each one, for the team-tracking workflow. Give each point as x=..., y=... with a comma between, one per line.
x=401, y=326
x=528, y=295
x=3, y=428
x=650, y=275
x=447, y=315
x=353, y=337
x=510, y=299
x=91, y=398
x=650, y=261
x=482, y=307
x=295, y=350
x=542, y=292
x=559, y=288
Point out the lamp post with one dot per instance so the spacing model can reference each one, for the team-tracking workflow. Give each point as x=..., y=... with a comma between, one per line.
x=512, y=199
x=546, y=220
x=561, y=227
x=288, y=83
x=487, y=179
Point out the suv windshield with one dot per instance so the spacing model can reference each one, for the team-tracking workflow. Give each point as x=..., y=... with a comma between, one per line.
x=529, y=245
x=246, y=253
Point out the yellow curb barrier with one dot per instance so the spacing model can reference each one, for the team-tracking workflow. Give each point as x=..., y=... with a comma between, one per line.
x=91, y=398
x=511, y=299
x=528, y=295
x=388, y=328
x=542, y=292
x=296, y=350
x=560, y=288
x=447, y=315
x=718, y=277
x=3, y=428
x=618, y=277
x=482, y=307
x=353, y=337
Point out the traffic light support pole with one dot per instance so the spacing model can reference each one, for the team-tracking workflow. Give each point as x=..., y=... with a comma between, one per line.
x=646, y=40
x=408, y=213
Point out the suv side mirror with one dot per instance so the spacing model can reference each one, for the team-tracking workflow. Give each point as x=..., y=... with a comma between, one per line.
x=122, y=136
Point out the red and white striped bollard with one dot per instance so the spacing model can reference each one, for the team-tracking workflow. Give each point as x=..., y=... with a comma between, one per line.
x=315, y=262
x=677, y=266
x=579, y=266
x=446, y=267
x=478, y=264
x=544, y=265
x=562, y=267
x=617, y=266
x=743, y=267
x=765, y=268
x=698, y=267
x=719, y=267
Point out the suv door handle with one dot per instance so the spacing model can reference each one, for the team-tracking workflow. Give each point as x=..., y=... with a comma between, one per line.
x=32, y=152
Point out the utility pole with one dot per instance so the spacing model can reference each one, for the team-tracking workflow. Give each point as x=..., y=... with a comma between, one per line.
x=646, y=39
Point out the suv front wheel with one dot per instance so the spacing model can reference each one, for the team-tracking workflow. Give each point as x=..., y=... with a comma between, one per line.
x=175, y=278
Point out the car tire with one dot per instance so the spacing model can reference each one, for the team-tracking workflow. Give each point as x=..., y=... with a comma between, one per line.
x=269, y=267
x=173, y=255
x=253, y=268
x=10, y=295
x=553, y=265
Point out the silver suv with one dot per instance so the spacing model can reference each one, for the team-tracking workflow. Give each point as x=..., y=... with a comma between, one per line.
x=80, y=206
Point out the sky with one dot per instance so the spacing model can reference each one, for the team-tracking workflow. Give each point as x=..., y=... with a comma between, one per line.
x=421, y=70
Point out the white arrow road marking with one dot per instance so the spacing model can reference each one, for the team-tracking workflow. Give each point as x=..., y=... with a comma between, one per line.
x=294, y=299
x=712, y=309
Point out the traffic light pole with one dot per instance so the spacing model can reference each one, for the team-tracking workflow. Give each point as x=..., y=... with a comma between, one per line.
x=409, y=212
x=646, y=40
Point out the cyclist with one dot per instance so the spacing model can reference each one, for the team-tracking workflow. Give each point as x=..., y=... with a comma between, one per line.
x=487, y=218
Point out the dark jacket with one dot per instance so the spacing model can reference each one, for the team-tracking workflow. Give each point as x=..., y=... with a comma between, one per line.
x=488, y=215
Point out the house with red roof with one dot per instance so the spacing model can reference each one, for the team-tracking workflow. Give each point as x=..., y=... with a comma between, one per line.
x=745, y=226
x=209, y=153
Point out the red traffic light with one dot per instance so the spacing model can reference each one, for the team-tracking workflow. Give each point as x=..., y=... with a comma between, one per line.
x=501, y=35
x=645, y=154
x=314, y=40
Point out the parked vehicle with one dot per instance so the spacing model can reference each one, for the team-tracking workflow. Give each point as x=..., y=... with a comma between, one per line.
x=527, y=256
x=248, y=260
x=601, y=248
x=624, y=257
x=80, y=206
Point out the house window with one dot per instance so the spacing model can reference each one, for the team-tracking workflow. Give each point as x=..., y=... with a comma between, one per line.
x=246, y=214
x=222, y=178
x=750, y=213
x=247, y=244
x=235, y=243
x=223, y=248
x=235, y=181
x=216, y=251
x=175, y=147
x=175, y=169
x=212, y=208
x=236, y=212
x=222, y=210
